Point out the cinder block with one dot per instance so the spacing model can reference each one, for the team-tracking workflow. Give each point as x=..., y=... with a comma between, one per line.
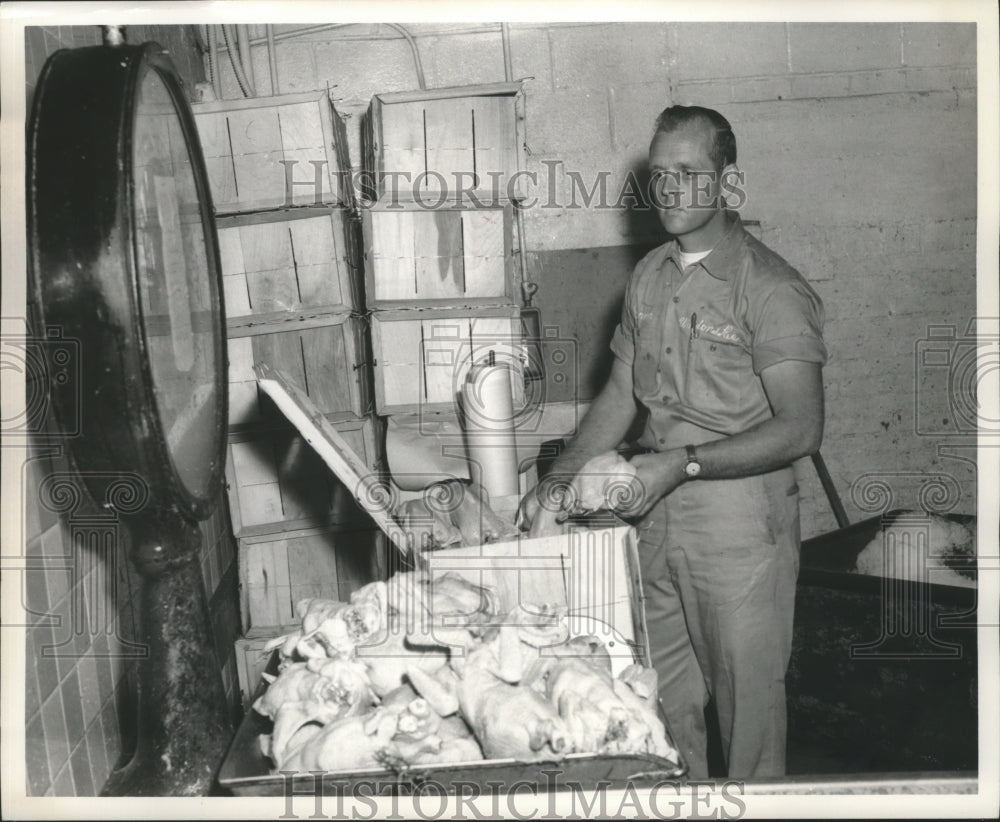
x=714, y=93
x=462, y=59
x=939, y=44
x=715, y=50
x=818, y=47
x=374, y=66
x=761, y=88
x=940, y=79
x=635, y=107
x=568, y=121
x=296, y=66
x=820, y=85
x=530, y=57
x=877, y=82
x=585, y=56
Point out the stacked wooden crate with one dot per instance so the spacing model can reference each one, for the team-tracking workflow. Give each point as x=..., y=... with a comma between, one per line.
x=441, y=177
x=288, y=229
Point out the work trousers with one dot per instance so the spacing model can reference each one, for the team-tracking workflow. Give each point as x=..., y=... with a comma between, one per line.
x=719, y=561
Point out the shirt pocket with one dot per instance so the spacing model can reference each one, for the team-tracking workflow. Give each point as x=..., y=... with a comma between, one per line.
x=718, y=375
x=645, y=365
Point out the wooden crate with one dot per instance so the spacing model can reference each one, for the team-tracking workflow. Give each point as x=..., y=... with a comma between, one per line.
x=252, y=659
x=323, y=355
x=277, y=262
x=444, y=142
x=275, y=480
x=593, y=570
x=254, y=147
x=441, y=257
x=278, y=570
x=422, y=356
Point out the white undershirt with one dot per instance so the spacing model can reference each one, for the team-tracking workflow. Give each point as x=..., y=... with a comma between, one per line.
x=693, y=257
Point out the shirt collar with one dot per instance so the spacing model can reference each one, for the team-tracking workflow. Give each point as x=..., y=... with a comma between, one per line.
x=721, y=260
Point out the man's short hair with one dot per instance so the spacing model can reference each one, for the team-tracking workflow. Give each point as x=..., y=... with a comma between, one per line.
x=723, y=148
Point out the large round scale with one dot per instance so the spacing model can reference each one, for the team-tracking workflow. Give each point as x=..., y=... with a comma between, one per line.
x=123, y=258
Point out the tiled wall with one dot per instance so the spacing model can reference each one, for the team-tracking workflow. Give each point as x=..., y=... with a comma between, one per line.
x=81, y=591
x=858, y=141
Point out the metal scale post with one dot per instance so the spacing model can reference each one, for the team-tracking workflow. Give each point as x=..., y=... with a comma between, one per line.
x=123, y=258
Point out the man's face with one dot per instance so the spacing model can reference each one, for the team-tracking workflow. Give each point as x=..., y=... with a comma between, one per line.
x=687, y=185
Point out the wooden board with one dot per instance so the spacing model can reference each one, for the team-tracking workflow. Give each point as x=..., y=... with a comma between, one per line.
x=369, y=488
x=251, y=658
x=290, y=262
x=320, y=355
x=267, y=152
x=593, y=570
x=445, y=142
x=441, y=257
x=422, y=356
x=279, y=570
x=276, y=481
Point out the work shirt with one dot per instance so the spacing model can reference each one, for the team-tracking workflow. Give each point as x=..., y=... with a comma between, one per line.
x=697, y=339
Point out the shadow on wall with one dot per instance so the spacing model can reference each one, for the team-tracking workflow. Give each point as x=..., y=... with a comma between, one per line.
x=580, y=296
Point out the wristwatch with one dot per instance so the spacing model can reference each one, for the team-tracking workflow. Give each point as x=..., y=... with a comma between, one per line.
x=692, y=468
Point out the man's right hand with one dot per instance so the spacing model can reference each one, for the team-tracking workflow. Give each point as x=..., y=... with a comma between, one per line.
x=540, y=512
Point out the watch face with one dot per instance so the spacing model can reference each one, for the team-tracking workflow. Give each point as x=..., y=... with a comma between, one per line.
x=692, y=469
x=175, y=286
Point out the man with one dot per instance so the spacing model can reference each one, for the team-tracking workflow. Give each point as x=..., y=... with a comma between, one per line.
x=720, y=342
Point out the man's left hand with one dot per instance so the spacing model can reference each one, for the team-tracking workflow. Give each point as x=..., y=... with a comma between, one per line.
x=656, y=475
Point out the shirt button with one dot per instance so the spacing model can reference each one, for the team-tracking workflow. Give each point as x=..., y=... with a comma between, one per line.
x=667, y=349
x=677, y=299
x=662, y=441
x=665, y=398
x=712, y=347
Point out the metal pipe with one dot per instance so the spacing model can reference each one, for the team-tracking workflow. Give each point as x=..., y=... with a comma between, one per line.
x=416, y=54
x=241, y=78
x=246, y=56
x=285, y=35
x=508, y=70
x=212, y=33
x=272, y=58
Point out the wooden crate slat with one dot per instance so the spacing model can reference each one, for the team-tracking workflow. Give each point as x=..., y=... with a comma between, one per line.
x=450, y=145
x=277, y=571
x=485, y=253
x=301, y=489
x=422, y=356
x=320, y=355
x=287, y=265
x=273, y=152
x=299, y=126
x=465, y=139
x=254, y=131
x=397, y=363
x=445, y=342
x=441, y=257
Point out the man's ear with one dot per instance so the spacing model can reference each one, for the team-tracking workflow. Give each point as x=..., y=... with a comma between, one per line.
x=731, y=187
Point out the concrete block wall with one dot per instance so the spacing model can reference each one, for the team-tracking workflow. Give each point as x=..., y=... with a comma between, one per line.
x=82, y=609
x=858, y=141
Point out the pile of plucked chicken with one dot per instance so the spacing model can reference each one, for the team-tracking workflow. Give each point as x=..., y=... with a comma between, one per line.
x=418, y=671
x=948, y=556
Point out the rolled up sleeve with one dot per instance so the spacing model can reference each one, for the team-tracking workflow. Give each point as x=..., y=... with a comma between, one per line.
x=788, y=325
x=623, y=340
